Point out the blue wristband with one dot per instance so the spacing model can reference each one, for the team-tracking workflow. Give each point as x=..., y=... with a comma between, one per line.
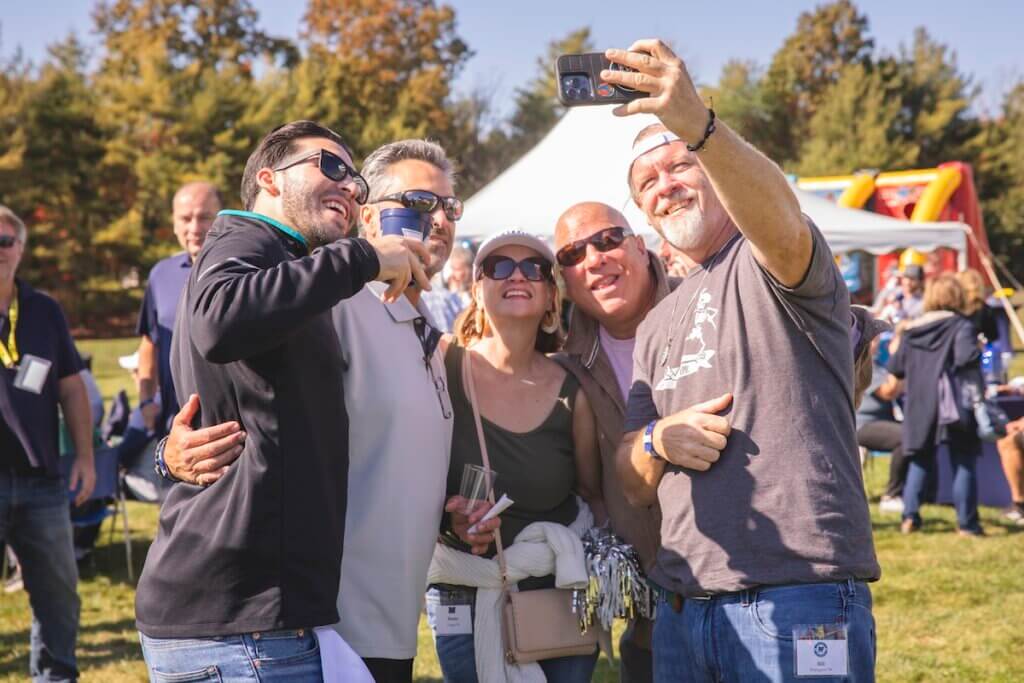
x=649, y=441
x=158, y=461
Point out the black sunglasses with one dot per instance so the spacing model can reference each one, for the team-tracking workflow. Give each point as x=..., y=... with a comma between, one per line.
x=334, y=168
x=533, y=268
x=7, y=241
x=603, y=240
x=426, y=201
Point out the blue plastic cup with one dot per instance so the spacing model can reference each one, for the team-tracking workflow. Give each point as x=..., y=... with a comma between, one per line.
x=405, y=223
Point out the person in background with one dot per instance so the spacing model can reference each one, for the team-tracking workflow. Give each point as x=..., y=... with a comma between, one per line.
x=193, y=211
x=460, y=273
x=39, y=374
x=878, y=428
x=936, y=354
x=975, y=309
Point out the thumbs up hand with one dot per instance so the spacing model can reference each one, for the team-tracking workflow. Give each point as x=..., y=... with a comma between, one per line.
x=694, y=438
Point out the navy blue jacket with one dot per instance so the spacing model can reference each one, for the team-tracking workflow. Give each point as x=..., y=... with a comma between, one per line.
x=261, y=548
x=937, y=342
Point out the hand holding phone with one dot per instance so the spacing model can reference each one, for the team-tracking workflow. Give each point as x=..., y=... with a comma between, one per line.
x=580, y=83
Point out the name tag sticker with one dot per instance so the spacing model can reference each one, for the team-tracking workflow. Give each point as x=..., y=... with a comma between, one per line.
x=820, y=650
x=32, y=373
x=454, y=620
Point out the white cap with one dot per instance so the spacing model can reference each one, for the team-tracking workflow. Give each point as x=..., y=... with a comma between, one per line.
x=512, y=237
x=129, y=362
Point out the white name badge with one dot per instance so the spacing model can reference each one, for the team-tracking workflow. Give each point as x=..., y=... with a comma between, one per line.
x=454, y=620
x=820, y=650
x=32, y=373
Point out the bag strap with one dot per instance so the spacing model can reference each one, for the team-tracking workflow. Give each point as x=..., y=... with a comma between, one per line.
x=467, y=380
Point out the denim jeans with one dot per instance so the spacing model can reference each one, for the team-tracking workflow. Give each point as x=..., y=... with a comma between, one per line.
x=747, y=637
x=275, y=656
x=457, y=655
x=923, y=466
x=36, y=523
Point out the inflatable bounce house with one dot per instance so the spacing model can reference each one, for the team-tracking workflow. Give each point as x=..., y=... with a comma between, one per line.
x=945, y=193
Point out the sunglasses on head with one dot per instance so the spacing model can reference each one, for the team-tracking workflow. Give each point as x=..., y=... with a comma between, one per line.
x=334, y=168
x=603, y=240
x=533, y=268
x=426, y=201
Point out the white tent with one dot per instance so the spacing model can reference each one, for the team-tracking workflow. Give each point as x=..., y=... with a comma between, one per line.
x=585, y=157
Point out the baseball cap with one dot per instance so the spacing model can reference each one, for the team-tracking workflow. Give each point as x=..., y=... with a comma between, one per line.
x=511, y=237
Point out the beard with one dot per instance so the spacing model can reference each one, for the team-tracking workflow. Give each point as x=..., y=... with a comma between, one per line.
x=684, y=230
x=303, y=210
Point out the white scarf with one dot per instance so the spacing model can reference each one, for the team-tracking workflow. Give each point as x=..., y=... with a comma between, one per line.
x=541, y=549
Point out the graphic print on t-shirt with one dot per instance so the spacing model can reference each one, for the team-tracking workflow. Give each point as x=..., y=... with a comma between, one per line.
x=690, y=363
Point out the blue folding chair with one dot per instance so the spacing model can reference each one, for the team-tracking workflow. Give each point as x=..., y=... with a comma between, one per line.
x=110, y=491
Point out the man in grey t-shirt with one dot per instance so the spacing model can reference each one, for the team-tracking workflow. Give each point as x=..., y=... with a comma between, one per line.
x=740, y=420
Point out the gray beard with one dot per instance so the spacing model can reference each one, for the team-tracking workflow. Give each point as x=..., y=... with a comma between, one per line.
x=684, y=231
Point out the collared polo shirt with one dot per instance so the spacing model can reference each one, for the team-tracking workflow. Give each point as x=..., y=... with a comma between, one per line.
x=399, y=445
x=166, y=282
x=31, y=419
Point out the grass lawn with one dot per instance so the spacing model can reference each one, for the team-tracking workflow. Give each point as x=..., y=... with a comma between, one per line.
x=948, y=608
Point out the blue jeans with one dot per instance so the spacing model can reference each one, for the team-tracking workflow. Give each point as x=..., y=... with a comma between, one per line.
x=275, y=656
x=457, y=655
x=36, y=523
x=923, y=466
x=747, y=637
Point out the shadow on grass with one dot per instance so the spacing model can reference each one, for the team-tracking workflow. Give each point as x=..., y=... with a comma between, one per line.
x=120, y=644
x=109, y=560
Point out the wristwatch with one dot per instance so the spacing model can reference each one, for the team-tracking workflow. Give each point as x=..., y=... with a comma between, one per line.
x=649, y=441
x=158, y=461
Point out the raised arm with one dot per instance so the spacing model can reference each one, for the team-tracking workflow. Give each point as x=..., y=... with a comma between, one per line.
x=751, y=187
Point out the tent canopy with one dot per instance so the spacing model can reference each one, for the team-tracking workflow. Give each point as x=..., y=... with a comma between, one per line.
x=585, y=158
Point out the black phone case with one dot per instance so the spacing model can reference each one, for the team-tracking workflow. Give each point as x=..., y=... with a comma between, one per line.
x=589, y=65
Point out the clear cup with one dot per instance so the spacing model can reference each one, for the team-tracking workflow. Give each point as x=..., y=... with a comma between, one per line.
x=477, y=484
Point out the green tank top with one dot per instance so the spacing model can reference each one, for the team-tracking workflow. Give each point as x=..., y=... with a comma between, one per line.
x=537, y=469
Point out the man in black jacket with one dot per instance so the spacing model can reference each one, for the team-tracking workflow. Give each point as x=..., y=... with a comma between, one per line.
x=245, y=569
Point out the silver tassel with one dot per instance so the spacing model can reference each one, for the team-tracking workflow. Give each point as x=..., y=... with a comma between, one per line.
x=617, y=588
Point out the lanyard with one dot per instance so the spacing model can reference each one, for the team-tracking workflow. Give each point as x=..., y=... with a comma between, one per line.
x=9, y=352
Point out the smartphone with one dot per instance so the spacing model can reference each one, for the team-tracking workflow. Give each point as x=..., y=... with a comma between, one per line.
x=580, y=84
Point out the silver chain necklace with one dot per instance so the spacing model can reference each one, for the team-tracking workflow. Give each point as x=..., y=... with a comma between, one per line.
x=686, y=312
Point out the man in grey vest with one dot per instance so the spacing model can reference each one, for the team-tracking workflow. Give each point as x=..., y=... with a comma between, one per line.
x=740, y=419
x=613, y=281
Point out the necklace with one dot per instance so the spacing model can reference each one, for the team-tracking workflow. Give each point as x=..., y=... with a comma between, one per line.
x=663, y=359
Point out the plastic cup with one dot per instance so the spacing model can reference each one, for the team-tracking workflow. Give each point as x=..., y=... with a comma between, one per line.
x=477, y=484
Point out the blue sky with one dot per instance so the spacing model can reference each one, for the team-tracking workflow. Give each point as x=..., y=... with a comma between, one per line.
x=508, y=36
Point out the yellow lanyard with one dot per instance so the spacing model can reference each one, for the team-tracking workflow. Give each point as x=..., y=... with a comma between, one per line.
x=9, y=353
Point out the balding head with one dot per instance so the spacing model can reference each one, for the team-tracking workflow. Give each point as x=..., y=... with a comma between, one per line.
x=612, y=283
x=582, y=220
x=194, y=209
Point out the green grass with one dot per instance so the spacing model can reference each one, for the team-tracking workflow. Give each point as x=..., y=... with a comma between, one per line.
x=947, y=608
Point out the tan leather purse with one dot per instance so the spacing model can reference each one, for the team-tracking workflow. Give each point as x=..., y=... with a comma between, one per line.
x=537, y=624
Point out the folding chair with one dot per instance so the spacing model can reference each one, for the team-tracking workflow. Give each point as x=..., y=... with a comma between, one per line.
x=110, y=491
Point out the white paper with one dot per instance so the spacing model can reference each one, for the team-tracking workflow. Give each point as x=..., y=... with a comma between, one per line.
x=453, y=620
x=821, y=657
x=504, y=503
x=32, y=374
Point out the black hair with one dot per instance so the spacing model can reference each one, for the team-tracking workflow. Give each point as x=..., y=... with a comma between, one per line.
x=273, y=149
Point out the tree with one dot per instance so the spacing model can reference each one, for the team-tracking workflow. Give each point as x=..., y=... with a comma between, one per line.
x=935, y=99
x=856, y=127
x=378, y=70
x=739, y=100
x=808, y=63
x=1000, y=171
x=178, y=93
